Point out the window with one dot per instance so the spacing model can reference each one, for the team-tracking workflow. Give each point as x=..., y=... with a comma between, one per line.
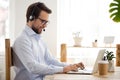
x=3, y=22
x=89, y=17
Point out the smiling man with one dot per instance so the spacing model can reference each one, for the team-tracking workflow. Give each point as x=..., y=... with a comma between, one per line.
x=32, y=58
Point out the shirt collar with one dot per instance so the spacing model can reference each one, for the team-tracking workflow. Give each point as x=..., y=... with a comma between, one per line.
x=30, y=32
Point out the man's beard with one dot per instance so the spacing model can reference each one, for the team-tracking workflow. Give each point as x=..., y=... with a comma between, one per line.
x=35, y=30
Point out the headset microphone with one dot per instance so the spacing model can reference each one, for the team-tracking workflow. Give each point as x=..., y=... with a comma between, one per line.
x=43, y=29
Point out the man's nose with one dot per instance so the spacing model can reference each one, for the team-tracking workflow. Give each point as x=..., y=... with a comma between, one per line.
x=44, y=25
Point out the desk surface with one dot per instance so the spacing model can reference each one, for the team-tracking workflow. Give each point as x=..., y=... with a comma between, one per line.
x=111, y=76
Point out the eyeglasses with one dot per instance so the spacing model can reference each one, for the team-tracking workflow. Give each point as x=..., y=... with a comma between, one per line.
x=44, y=22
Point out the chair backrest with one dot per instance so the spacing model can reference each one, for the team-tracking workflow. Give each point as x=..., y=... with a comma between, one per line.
x=8, y=58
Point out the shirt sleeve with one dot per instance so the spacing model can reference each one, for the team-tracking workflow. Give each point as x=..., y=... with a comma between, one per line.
x=23, y=49
x=52, y=60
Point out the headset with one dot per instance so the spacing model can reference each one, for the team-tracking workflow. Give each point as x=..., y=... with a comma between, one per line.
x=32, y=17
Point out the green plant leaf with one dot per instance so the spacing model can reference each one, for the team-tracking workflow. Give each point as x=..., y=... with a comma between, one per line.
x=115, y=10
x=113, y=4
x=109, y=55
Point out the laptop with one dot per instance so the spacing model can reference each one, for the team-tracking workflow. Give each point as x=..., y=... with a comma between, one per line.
x=88, y=70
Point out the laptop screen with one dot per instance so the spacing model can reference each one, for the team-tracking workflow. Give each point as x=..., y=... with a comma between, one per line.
x=99, y=58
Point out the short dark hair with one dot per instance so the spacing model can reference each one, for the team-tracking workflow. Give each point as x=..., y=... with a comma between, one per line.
x=35, y=8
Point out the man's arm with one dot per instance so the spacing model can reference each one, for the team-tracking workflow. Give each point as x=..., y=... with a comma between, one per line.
x=52, y=60
x=23, y=50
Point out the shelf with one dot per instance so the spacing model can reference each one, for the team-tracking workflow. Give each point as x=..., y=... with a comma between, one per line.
x=89, y=47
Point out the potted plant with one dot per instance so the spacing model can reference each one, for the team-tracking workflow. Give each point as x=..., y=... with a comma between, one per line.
x=77, y=39
x=109, y=56
x=115, y=16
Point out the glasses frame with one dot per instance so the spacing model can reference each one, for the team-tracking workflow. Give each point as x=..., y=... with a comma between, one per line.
x=44, y=22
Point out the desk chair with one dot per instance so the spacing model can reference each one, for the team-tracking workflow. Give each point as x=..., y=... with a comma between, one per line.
x=8, y=59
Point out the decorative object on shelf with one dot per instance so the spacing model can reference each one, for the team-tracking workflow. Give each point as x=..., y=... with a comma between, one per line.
x=63, y=57
x=118, y=55
x=77, y=39
x=94, y=44
x=108, y=40
x=109, y=56
x=115, y=10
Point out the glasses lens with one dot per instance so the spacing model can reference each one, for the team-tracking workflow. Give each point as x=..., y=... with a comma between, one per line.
x=43, y=21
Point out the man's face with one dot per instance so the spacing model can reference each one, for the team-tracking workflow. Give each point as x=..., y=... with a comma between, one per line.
x=41, y=22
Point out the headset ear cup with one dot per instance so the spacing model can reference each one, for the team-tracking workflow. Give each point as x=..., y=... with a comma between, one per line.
x=31, y=18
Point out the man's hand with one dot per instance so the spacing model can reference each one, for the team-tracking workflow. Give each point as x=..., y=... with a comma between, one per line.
x=80, y=65
x=70, y=68
x=73, y=67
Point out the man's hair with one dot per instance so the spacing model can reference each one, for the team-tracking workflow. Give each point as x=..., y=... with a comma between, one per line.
x=35, y=8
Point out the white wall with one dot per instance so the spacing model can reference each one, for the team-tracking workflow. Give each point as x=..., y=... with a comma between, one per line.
x=18, y=21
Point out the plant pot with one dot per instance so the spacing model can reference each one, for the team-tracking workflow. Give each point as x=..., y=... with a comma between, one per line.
x=111, y=66
x=77, y=41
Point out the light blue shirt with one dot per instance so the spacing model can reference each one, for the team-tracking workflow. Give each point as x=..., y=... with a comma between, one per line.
x=32, y=59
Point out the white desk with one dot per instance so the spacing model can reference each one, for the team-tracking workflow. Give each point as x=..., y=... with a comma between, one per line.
x=111, y=76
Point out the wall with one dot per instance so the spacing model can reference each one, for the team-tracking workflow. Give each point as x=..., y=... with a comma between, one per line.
x=18, y=21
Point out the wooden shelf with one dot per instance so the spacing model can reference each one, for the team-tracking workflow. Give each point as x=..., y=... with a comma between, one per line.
x=89, y=47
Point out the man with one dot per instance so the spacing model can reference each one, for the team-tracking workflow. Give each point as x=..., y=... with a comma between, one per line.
x=32, y=59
